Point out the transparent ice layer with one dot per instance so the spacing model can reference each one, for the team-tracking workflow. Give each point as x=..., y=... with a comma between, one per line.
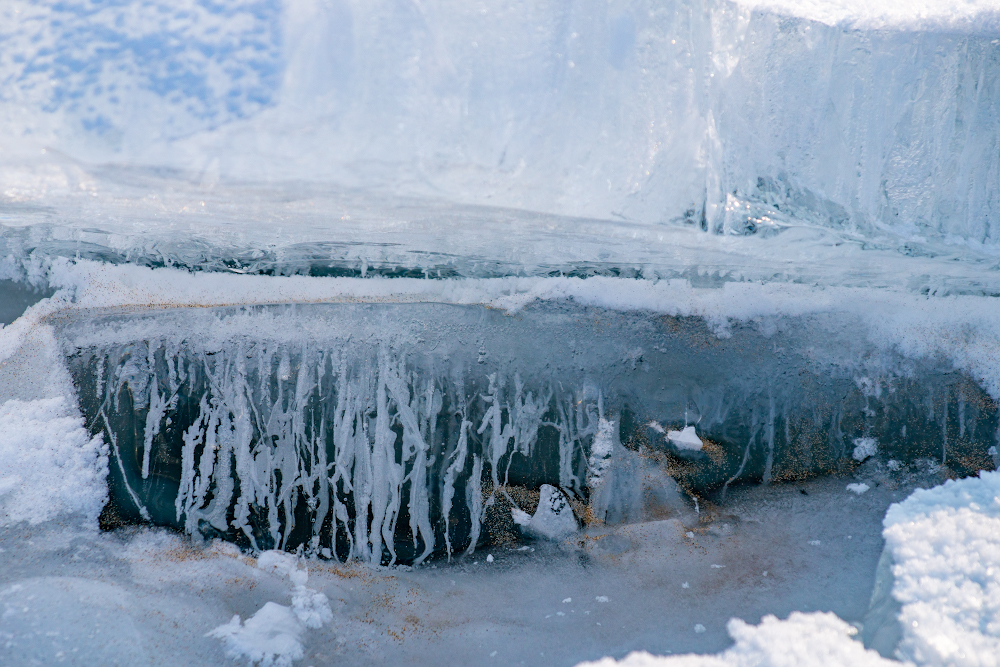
x=386, y=432
x=732, y=117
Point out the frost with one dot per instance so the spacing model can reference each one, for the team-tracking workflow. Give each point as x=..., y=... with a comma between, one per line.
x=858, y=488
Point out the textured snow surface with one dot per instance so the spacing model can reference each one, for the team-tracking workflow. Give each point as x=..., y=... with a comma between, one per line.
x=945, y=542
x=816, y=639
x=49, y=464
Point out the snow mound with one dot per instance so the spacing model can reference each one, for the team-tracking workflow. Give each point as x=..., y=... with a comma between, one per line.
x=945, y=542
x=49, y=464
x=816, y=639
x=272, y=637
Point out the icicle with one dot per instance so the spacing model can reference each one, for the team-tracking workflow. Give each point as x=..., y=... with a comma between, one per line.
x=474, y=500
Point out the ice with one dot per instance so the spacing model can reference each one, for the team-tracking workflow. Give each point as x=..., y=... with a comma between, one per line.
x=554, y=517
x=685, y=439
x=803, y=639
x=693, y=112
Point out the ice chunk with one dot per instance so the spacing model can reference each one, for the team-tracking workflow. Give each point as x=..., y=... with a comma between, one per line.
x=864, y=448
x=858, y=488
x=685, y=439
x=554, y=518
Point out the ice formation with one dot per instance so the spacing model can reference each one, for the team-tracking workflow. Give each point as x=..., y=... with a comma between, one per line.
x=272, y=637
x=357, y=279
x=803, y=639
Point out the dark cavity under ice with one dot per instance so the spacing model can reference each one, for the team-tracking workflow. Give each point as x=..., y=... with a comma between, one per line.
x=396, y=433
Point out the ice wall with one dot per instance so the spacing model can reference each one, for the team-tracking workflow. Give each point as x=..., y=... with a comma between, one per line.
x=732, y=116
x=386, y=432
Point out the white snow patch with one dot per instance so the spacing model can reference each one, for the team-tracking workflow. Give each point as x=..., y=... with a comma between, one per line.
x=49, y=464
x=554, y=518
x=686, y=439
x=858, y=488
x=864, y=448
x=945, y=543
x=273, y=636
x=815, y=639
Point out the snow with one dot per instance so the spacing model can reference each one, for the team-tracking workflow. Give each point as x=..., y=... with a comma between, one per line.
x=273, y=635
x=864, y=448
x=819, y=639
x=685, y=439
x=858, y=488
x=49, y=464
